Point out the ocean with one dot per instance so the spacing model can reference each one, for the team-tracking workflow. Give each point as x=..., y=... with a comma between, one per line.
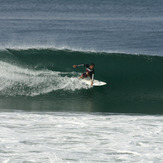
x=47, y=114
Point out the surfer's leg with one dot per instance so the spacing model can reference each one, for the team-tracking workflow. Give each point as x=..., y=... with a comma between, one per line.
x=89, y=75
x=84, y=75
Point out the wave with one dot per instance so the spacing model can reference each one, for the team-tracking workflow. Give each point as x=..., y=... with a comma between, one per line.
x=15, y=80
x=134, y=81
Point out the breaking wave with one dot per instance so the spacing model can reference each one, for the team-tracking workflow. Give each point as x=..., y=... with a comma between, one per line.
x=133, y=81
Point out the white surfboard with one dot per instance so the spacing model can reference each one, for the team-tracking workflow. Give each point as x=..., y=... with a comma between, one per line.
x=95, y=82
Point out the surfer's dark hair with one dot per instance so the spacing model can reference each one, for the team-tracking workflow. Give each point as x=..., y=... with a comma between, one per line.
x=92, y=64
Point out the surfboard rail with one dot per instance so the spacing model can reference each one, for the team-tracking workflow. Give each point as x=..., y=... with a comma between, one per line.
x=95, y=82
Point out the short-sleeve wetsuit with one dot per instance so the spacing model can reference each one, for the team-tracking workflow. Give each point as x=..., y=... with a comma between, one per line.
x=88, y=71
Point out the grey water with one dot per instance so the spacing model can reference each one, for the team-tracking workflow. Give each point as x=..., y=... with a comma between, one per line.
x=114, y=26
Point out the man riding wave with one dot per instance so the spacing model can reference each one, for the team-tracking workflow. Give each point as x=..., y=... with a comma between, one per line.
x=89, y=71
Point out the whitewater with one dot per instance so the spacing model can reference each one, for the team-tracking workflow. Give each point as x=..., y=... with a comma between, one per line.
x=15, y=80
x=79, y=137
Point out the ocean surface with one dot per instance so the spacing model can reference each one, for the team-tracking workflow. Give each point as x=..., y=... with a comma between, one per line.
x=39, y=137
x=47, y=114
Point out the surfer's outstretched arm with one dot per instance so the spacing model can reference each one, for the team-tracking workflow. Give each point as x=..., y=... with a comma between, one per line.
x=81, y=65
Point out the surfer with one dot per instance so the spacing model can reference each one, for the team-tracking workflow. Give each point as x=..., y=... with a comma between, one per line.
x=89, y=71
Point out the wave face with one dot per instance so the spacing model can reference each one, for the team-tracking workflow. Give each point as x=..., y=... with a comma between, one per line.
x=43, y=79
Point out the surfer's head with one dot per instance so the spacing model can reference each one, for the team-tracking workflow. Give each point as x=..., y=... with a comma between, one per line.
x=92, y=65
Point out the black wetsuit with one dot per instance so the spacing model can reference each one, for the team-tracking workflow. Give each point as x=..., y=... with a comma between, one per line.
x=88, y=71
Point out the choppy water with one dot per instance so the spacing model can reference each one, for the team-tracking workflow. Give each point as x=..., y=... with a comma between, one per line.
x=79, y=137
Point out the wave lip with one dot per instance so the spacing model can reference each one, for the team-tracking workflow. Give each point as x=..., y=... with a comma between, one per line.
x=68, y=48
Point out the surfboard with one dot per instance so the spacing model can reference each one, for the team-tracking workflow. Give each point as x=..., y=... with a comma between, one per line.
x=95, y=82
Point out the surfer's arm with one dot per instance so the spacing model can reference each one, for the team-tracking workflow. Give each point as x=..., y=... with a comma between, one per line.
x=81, y=65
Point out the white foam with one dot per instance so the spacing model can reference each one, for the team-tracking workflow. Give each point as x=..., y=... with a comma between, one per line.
x=79, y=137
x=39, y=46
x=48, y=46
x=15, y=80
x=53, y=46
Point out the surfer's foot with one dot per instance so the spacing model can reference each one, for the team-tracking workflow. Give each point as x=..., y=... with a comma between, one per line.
x=81, y=77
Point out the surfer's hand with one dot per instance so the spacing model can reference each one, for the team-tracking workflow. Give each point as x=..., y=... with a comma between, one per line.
x=74, y=66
